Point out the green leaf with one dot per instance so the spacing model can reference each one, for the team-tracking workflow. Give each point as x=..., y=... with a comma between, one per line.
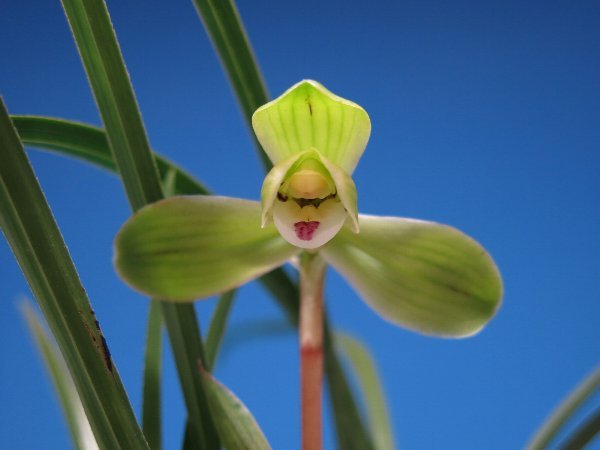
x=33, y=235
x=377, y=411
x=309, y=116
x=350, y=430
x=88, y=143
x=584, y=434
x=556, y=422
x=108, y=77
x=236, y=427
x=185, y=248
x=151, y=406
x=349, y=426
x=99, y=50
x=420, y=275
x=81, y=432
x=223, y=24
x=216, y=330
x=188, y=351
x=214, y=339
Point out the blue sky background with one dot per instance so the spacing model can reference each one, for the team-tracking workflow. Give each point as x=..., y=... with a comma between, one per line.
x=485, y=116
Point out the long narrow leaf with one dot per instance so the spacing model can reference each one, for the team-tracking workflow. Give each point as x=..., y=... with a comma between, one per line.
x=34, y=237
x=151, y=406
x=187, y=351
x=89, y=144
x=584, y=434
x=350, y=429
x=561, y=415
x=363, y=366
x=81, y=432
x=216, y=330
x=226, y=30
x=99, y=50
x=237, y=428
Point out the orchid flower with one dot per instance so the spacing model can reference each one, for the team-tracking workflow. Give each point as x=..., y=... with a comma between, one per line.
x=421, y=275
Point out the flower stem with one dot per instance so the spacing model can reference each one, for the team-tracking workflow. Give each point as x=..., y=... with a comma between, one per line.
x=312, y=275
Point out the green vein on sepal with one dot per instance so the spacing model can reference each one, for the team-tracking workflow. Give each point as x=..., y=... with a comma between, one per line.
x=309, y=116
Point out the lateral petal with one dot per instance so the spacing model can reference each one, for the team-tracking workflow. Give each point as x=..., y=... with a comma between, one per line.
x=424, y=276
x=184, y=248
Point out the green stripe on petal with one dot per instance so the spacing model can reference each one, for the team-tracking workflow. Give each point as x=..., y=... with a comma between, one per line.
x=308, y=115
x=423, y=276
x=184, y=248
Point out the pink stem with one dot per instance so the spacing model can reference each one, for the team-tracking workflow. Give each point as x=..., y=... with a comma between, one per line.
x=312, y=274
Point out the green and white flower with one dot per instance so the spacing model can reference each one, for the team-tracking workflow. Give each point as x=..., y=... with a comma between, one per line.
x=421, y=275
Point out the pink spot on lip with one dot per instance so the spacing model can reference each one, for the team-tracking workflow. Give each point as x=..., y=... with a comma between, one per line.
x=305, y=230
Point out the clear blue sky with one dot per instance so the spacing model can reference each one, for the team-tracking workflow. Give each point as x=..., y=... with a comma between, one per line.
x=486, y=116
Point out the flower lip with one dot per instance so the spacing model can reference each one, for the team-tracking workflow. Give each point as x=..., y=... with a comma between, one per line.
x=309, y=226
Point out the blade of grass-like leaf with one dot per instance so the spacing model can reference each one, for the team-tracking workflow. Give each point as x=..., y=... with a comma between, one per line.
x=584, y=434
x=33, y=235
x=216, y=330
x=90, y=144
x=377, y=411
x=103, y=63
x=188, y=438
x=350, y=429
x=561, y=415
x=257, y=330
x=237, y=428
x=151, y=406
x=187, y=351
x=226, y=30
x=81, y=432
x=349, y=426
x=99, y=51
